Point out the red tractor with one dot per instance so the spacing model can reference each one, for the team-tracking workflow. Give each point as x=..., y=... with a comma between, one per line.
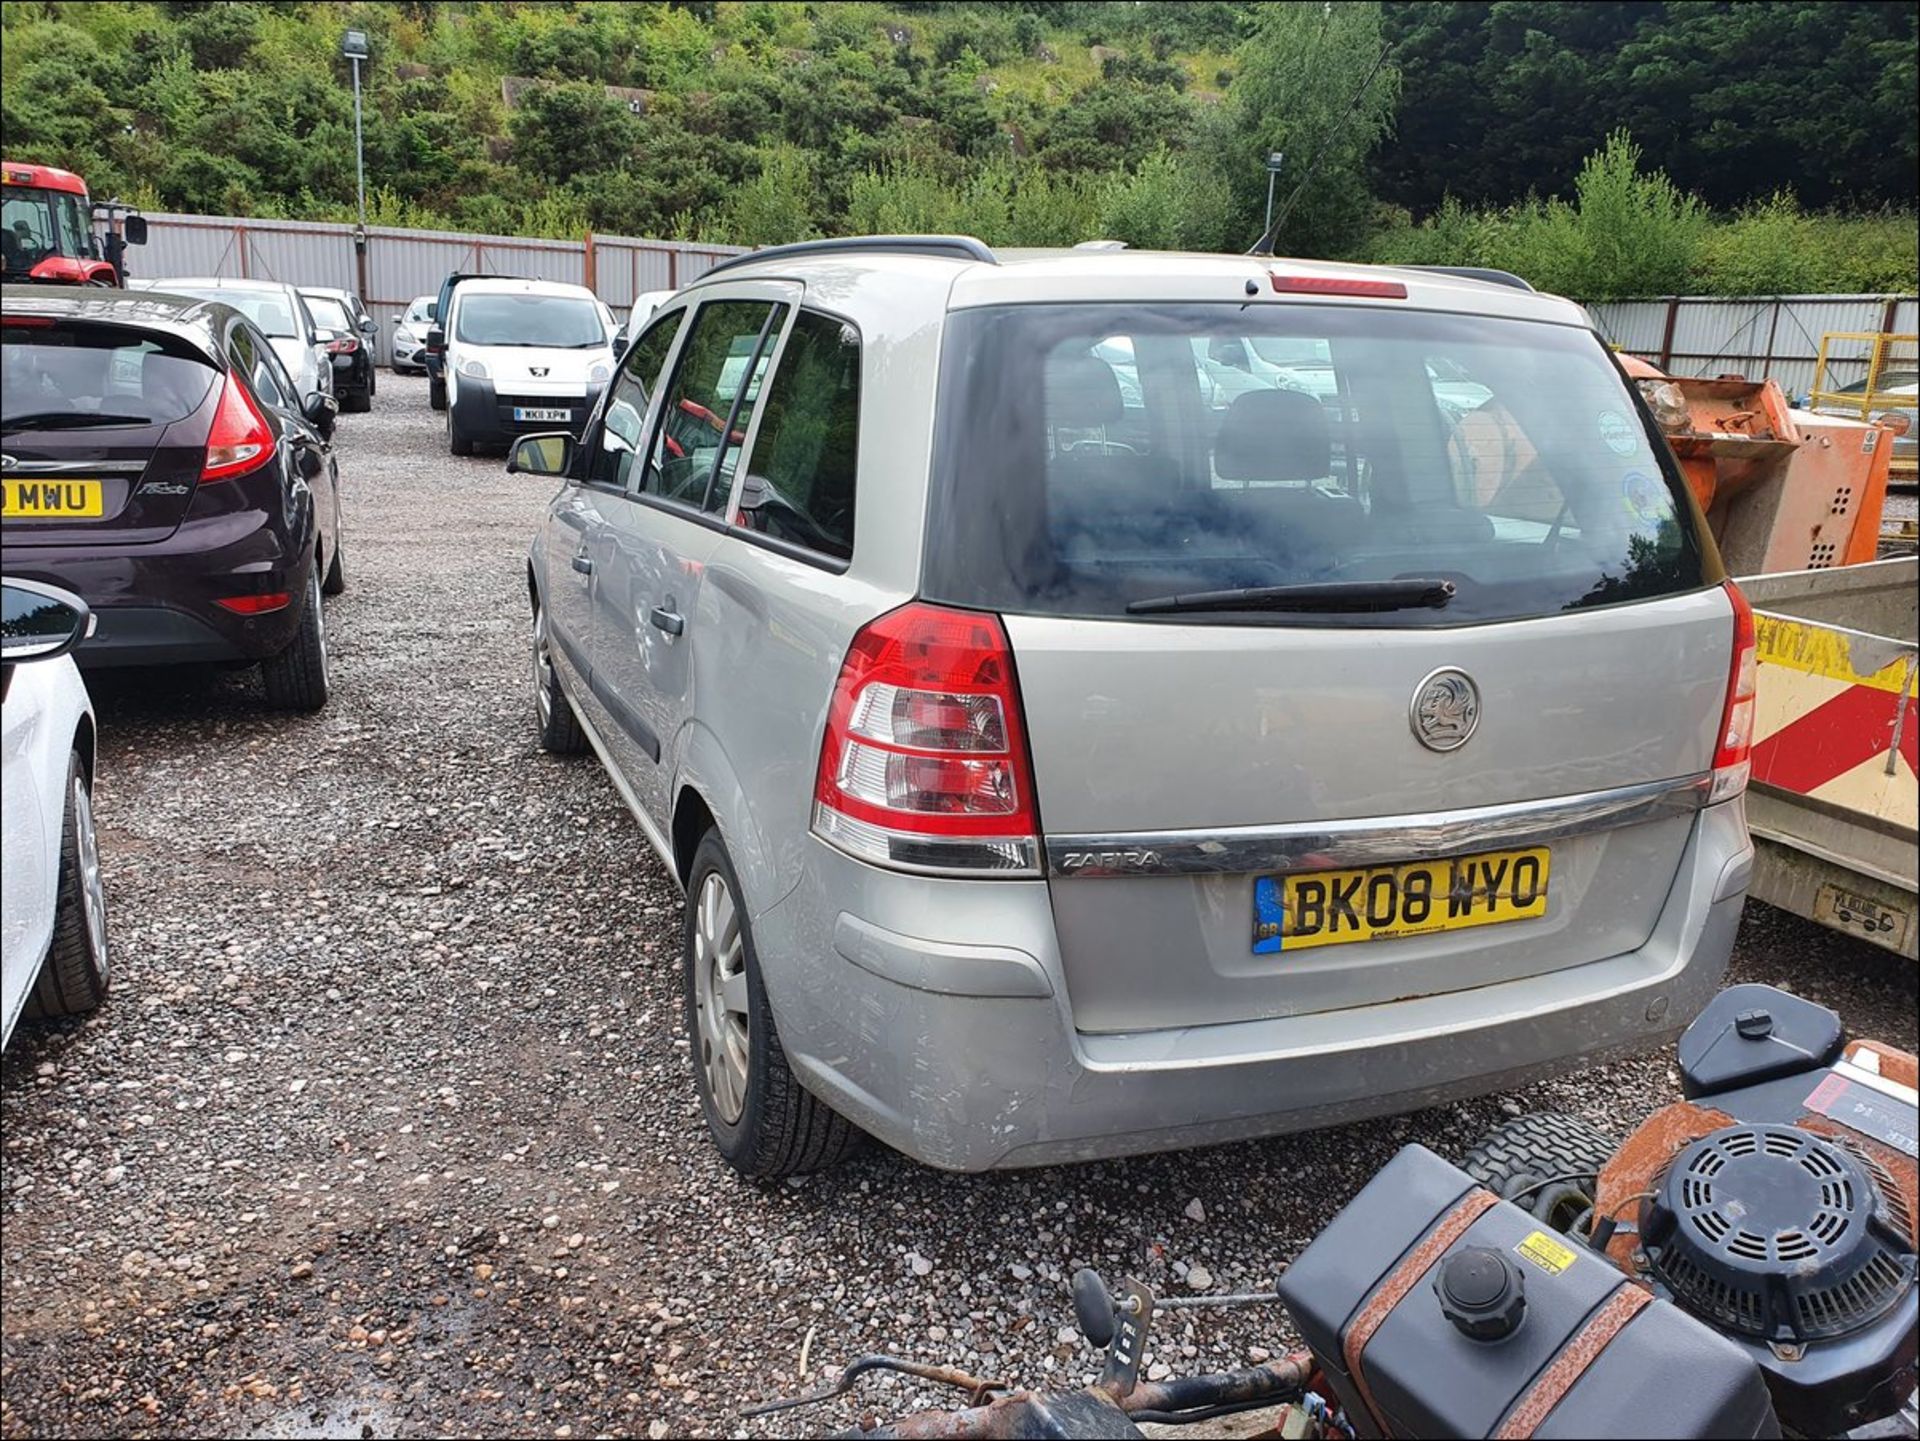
x=47, y=229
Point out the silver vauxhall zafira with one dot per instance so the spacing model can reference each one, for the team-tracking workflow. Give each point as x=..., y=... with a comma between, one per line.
x=1099, y=701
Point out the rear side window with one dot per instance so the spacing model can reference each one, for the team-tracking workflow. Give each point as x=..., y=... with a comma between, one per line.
x=800, y=478
x=710, y=404
x=254, y=358
x=121, y=376
x=328, y=313
x=1088, y=457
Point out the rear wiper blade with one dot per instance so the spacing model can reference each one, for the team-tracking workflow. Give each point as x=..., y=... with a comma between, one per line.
x=1408, y=593
x=69, y=420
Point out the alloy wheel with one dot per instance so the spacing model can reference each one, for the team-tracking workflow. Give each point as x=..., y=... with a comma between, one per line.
x=93, y=896
x=720, y=995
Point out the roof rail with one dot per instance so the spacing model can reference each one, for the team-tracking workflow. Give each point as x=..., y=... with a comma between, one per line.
x=949, y=247
x=1477, y=272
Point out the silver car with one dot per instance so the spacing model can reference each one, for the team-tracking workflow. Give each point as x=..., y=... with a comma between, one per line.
x=282, y=316
x=1058, y=766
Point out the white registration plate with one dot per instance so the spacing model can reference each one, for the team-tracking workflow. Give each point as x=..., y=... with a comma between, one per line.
x=545, y=412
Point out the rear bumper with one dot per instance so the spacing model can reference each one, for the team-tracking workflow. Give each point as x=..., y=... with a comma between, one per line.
x=155, y=605
x=961, y=1050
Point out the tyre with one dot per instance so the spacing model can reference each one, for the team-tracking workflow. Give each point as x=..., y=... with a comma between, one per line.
x=765, y=1123
x=74, y=978
x=373, y=384
x=1534, y=1160
x=436, y=393
x=359, y=404
x=457, y=443
x=336, y=580
x=560, y=732
x=297, y=677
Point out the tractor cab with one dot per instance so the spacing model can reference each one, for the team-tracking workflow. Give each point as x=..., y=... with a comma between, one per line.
x=47, y=229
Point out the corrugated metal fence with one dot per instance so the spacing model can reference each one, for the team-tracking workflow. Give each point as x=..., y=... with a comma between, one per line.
x=402, y=264
x=1764, y=337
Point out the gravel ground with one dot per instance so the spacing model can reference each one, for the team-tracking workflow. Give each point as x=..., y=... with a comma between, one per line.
x=388, y=1127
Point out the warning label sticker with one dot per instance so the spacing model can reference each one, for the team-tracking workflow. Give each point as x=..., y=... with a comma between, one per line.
x=1545, y=1252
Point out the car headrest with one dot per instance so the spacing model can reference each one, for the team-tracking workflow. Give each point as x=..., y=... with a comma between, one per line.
x=1273, y=435
x=1082, y=392
x=275, y=320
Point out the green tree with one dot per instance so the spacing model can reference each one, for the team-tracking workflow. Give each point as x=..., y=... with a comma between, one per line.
x=1314, y=85
x=570, y=128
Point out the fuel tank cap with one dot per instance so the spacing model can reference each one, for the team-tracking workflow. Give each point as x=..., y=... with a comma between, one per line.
x=1481, y=1292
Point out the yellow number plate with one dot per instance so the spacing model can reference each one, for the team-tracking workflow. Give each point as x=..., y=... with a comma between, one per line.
x=1325, y=908
x=54, y=499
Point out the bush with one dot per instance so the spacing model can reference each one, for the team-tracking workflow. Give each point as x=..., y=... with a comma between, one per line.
x=1628, y=234
x=1172, y=202
x=1768, y=249
x=775, y=206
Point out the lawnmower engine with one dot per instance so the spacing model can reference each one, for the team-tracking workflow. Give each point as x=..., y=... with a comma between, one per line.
x=1743, y=1263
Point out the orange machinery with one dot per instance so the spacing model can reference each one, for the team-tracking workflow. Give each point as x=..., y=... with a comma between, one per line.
x=1782, y=489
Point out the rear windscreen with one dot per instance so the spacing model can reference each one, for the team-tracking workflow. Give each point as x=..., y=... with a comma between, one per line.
x=1089, y=456
x=118, y=375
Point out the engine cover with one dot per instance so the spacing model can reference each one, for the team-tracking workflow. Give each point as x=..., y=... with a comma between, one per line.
x=1779, y=1234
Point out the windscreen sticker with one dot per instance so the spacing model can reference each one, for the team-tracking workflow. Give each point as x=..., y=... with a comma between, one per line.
x=1618, y=432
x=1645, y=498
x=1545, y=1252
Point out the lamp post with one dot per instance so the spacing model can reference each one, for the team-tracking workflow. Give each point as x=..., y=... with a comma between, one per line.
x=356, y=49
x=354, y=46
x=1275, y=159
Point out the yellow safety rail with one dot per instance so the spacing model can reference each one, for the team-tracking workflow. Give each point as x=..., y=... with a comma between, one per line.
x=1884, y=355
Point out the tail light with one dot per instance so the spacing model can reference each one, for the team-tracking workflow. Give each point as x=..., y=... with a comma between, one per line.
x=1733, y=755
x=924, y=764
x=345, y=345
x=241, y=440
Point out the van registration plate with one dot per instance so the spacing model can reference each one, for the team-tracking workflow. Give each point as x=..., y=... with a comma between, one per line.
x=531, y=412
x=52, y=499
x=1326, y=908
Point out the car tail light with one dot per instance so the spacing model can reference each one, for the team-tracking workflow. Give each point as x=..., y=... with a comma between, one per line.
x=241, y=440
x=256, y=604
x=1336, y=285
x=345, y=345
x=1733, y=753
x=924, y=764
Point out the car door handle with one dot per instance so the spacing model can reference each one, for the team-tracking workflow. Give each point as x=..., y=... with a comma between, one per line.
x=583, y=564
x=672, y=622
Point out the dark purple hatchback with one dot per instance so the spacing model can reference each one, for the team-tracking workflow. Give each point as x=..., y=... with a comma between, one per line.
x=159, y=464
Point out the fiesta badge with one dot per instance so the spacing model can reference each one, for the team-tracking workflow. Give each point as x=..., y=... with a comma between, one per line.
x=1445, y=709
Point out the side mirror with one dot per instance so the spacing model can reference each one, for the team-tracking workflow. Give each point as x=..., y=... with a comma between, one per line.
x=39, y=622
x=134, y=228
x=370, y=325
x=550, y=454
x=436, y=339
x=321, y=411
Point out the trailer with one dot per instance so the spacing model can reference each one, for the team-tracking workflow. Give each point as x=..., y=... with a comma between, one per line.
x=1834, y=805
x=1795, y=500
